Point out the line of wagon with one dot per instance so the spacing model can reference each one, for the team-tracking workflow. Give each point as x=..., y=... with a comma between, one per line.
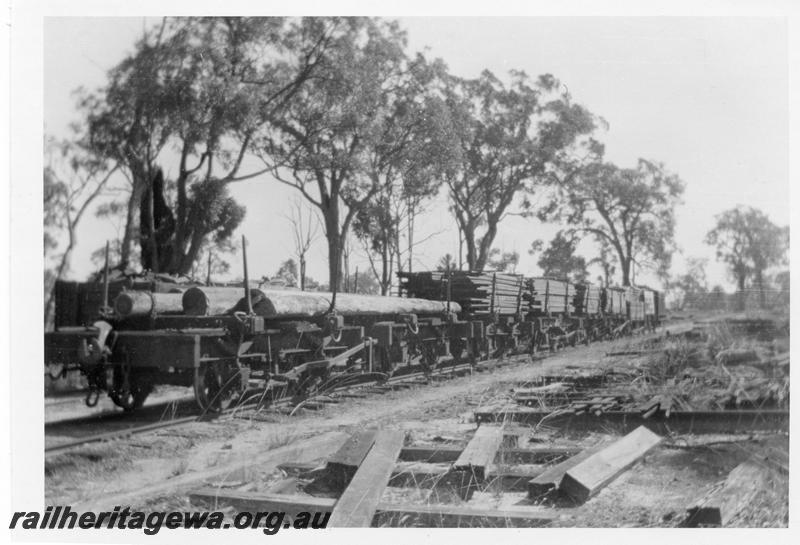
x=130, y=334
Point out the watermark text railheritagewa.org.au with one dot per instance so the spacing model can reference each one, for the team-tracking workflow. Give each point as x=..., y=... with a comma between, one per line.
x=63, y=517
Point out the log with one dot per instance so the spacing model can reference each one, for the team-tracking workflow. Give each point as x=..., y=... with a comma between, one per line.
x=588, y=477
x=739, y=490
x=129, y=304
x=201, y=301
x=315, y=304
x=205, y=301
x=357, y=505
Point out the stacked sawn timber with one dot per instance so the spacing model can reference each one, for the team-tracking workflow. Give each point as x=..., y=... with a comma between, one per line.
x=424, y=284
x=548, y=296
x=587, y=299
x=477, y=293
x=635, y=297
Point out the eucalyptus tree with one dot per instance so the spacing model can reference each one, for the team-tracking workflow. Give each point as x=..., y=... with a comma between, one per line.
x=352, y=131
x=749, y=243
x=189, y=99
x=559, y=259
x=631, y=210
x=513, y=137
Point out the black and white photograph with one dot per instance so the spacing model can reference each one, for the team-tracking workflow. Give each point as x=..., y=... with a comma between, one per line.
x=305, y=268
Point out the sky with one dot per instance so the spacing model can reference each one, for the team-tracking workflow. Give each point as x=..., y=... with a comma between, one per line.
x=706, y=96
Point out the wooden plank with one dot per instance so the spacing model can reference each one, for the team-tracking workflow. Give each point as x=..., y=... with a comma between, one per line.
x=724, y=503
x=300, y=451
x=426, y=475
x=299, y=468
x=287, y=485
x=513, y=478
x=447, y=454
x=291, y=504
x=587, y=478
x=479, y=454
x=454, y=516
x=345, y=461
x=356, y=506
x=441, y=515
x=551, y=478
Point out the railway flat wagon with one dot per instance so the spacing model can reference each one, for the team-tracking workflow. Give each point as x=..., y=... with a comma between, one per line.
x=587, y=299
x=615, y=302
x=493, y=302
x=634, y=301
x=225, y=341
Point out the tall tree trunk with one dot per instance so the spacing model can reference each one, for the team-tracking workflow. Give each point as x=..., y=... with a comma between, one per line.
x=486, y=246
x=625, y=264
x=130, y=224
x=762, y=301
x=741, y=299
x=302, y=272
x=191, y=254
x=334, y=260
x=334, y=238
x=469, y=241
x=460, y=247
x=410, y=238
x=385, y=280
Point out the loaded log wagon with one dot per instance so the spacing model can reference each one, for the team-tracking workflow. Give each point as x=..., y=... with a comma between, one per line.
x=223, y=341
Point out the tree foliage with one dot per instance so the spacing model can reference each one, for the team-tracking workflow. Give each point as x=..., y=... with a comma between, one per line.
x=362, y=129
x=691, y=288
x=503, y=261
x=202, y=87
x=559, y=259
x=632, y=210
x=749, y=243
x=512, y=137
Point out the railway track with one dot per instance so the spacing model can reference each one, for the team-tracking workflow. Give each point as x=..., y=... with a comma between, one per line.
x=286, y=404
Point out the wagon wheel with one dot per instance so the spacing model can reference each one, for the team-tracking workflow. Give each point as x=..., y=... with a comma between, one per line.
x=459, y=349
x=217, y=386
x=128, y=390
x=428, y=358
x=383, y=360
